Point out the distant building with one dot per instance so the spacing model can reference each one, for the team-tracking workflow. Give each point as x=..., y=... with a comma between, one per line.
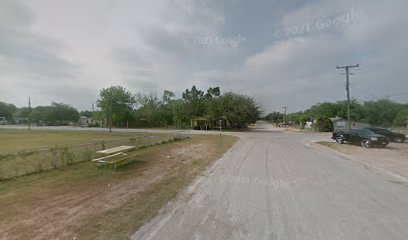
x=88, y=122
x=20, y=120
x=3, y=121
x=340, y=124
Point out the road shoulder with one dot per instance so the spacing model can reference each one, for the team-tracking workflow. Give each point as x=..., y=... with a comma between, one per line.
x=390, y=161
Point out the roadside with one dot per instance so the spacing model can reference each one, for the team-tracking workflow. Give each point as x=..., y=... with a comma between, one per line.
x=275, y=184
x=15, y=140
x=391, y=160
x=83, y=202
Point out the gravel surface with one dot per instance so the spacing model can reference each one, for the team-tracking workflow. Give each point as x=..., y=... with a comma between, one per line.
x=274, y=184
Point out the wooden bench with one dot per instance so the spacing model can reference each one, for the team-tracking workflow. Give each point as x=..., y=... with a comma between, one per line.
x=110, y=154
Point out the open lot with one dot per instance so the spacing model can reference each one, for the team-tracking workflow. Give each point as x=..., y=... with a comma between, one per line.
x=25, y=152
x=22, y=140
x=393, y=158
x=85, y=202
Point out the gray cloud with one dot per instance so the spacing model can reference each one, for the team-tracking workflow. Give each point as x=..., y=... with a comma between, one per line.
x=27, y=59
x=20, y=48
x=173, y=44
x=299, y=70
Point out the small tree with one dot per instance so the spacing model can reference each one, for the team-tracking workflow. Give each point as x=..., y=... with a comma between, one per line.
x=116, y=103
x=7, y=110
x=401, y=118
x=324, y=124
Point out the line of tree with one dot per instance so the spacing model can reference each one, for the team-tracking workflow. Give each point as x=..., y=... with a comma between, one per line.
x=382, y=113
x=150, y=110
x=57, y=114
x=120, y=107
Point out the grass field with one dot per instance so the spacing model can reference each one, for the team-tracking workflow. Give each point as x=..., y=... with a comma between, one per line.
x=22, y=140
x=26, y=152
x=85, y=202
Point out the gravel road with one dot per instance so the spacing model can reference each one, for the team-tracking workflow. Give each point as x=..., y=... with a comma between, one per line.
x=276, y=185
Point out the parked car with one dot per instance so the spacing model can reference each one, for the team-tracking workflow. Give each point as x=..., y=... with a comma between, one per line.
x=283, y=124
x=394, y=137
x=364, y=137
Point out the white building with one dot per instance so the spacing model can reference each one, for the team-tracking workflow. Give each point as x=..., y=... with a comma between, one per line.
x=340, y=124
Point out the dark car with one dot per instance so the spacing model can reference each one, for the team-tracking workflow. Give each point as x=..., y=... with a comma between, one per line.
x=394, y=137
x=364, y=137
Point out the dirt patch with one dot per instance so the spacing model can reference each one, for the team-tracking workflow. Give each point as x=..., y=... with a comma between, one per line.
x=393, y=158
x=83, y=202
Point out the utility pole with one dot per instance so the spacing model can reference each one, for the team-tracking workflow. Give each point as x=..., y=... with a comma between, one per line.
x=110, y=116
x=284, y=116
x=347, y=67
x=29, y=113
x=110, y=111
x=220, y=121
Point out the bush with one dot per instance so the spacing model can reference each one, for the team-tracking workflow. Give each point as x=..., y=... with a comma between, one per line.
x=324, y=124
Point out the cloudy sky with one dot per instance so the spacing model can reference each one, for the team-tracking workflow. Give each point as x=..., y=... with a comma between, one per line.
x=283, y=53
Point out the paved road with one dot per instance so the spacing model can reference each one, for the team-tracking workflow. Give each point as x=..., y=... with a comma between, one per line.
x=276, y=185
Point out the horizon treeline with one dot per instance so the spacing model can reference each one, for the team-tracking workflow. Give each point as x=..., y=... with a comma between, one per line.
x=124, y=108
x=382, y=113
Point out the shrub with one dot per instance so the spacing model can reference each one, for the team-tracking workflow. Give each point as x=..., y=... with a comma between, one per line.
x=324, y=124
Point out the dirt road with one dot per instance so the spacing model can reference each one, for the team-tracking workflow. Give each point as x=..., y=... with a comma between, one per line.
x=276, y=185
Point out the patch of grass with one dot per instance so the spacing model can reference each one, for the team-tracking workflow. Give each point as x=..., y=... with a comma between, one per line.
x=329, y=144
x=58, y=150
x=12, y=141
x=345, y=148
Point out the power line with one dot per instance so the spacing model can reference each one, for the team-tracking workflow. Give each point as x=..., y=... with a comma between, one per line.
x=347, y=67
x=366, y=92
x=399, y=94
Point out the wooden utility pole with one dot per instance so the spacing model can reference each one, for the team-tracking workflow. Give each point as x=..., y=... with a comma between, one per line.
x=29, y=113
x=110, y=111
x=284, y=116
x=347, y=67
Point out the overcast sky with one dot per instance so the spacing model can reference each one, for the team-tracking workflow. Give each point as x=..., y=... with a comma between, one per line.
x=282, y=53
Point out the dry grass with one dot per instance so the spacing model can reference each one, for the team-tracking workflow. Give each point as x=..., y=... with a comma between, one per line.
x=332, y=145
x=84, y=202
x=22, y=140
x=61, y=151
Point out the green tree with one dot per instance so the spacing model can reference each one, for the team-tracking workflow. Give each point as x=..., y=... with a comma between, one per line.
x=7, y=111
x=401, y=118
x=194, y=99
x=149, y=108
x=239, y=109
x=213, y=92
x=179, y=113
x=274, y=117
x=88, y=114
x=166, y=108
x=56, y=114
x=167, y=96
x=324, y=124
x=381, y=112
x=116, y=104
